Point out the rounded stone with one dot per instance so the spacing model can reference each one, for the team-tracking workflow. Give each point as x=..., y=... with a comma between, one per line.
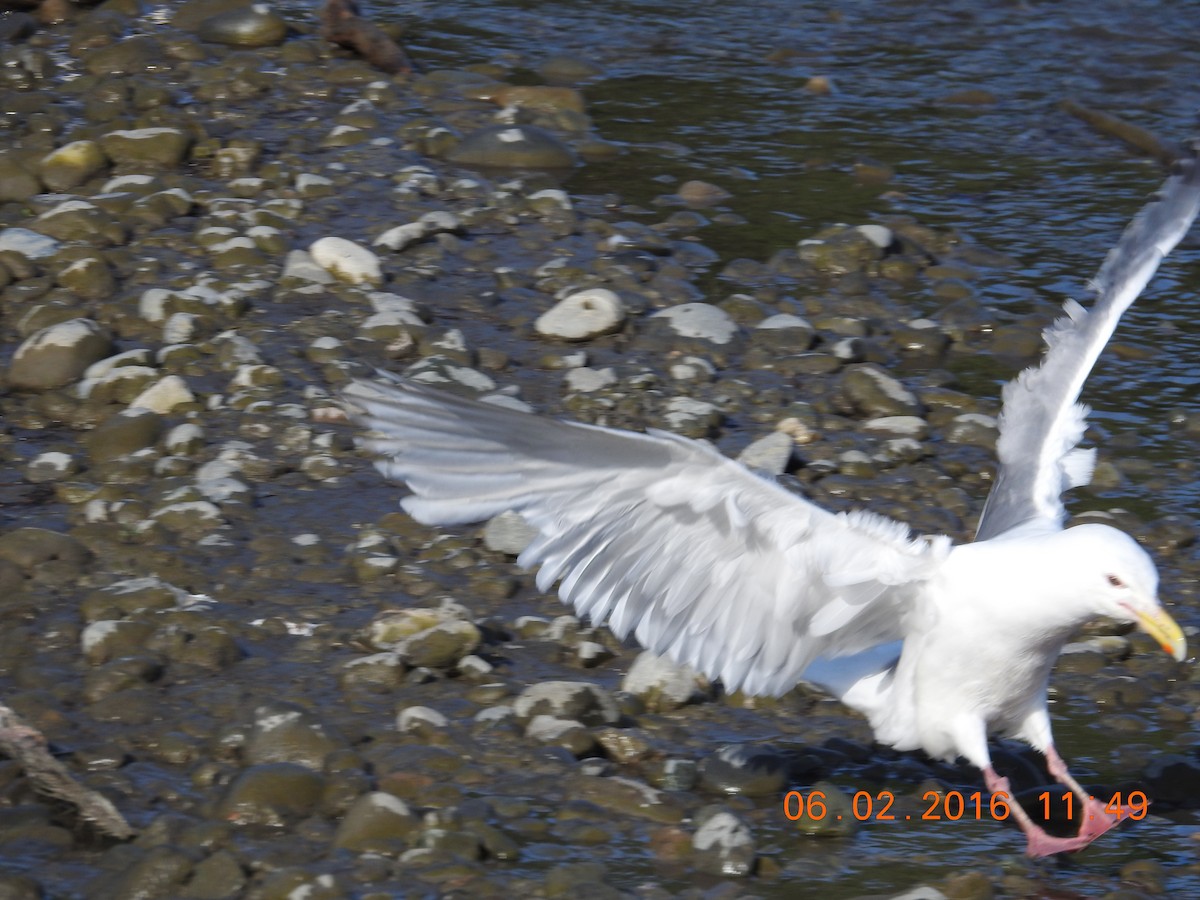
x=155, y=147
x=376, y=822
x=661, y=683
x=699, y=320
x=755, y=771
x=579, y=700
x=347, y=261
x=71, y=165
x=270, y=794
x=508, y=533
x=583, y=316
x=252, y=26
x=17, y=183
x=874, y=392
x=440, y=646
x=283, y=732
x=724, y=845
x=513, y=146
x=58, y=354
x=127, y=432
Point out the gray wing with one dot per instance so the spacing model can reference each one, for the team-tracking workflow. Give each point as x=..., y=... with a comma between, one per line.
x=701, y=559
x=1042, y=422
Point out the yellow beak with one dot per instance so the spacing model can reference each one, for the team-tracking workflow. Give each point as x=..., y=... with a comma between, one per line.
x=1165, y=630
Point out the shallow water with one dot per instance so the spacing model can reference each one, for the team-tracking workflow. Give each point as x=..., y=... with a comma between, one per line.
x=717, y=92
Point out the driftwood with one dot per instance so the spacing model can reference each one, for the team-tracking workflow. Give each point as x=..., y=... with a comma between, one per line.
x=1138, y=138
x=51, y=778
x=341, y=24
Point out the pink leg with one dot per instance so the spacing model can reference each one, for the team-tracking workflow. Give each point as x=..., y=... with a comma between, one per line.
x=1096, y=818
x=1038, y=842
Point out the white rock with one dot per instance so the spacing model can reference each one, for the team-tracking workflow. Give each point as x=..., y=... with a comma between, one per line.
x=662, y=683
x=347, y=261
x=164, y=395
x=700, y=320
x=769, y=454
x=585, y=380
x=583, y=316
x=28, y=243
x=508, y=533
x=878, y=235
x=415, y=717
x=300, y=265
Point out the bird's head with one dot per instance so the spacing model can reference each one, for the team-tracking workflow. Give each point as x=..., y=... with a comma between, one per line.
x=1124, y=584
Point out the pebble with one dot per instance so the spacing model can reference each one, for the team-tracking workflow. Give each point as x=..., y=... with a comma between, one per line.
x=347, y=261
x=378, y=822
x=770, y=454
x=586, y=380
x=430, y=224
x=508, y=533
x=753, y=770
x=699, y=320
x=577, y=700
x=724, y=844
x=513, y=146
x=256, y=25
x=662, y=684
x=583, y=316
x=163, y=148
x=58, y=354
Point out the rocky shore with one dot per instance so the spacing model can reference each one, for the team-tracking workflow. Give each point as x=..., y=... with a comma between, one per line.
x=210, y=220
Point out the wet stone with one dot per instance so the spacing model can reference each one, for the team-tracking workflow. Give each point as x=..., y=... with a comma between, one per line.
x=44, y=555
x=508, y=533
x=441, y=646
x=784, y=331
x=106, y=640
x=753, y=770
x=252, y=26
x=71, y=165
x=216, y=877
x=513, y=146
x=420, y=720
x=566, y=733
x=270, y=794
x=17, y=183
x=723, y=843
x=58, y=354
x=283, y=732
x=1174, y=778
x=827, y=812
x=662, y=684
x=126, y=432
x=583, y=316
x=377, y=822
x=625, y=796
x=702, y=321
x=347, y=261
x=162, y=148
x=975, y=429
x=770, y=454
x=871, y=391
x=579, y=700
x=160, y=872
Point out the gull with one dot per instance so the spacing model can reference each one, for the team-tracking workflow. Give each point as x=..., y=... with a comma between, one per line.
x=714, y=566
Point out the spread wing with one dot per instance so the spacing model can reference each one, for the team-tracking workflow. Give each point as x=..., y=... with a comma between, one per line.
x=1042, y=422
x=664, y=537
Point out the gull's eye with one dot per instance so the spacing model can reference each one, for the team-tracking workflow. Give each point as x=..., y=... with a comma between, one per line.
x=1115, y=581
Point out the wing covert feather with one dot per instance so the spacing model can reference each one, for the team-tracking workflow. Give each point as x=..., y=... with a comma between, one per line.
x=663, y=537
